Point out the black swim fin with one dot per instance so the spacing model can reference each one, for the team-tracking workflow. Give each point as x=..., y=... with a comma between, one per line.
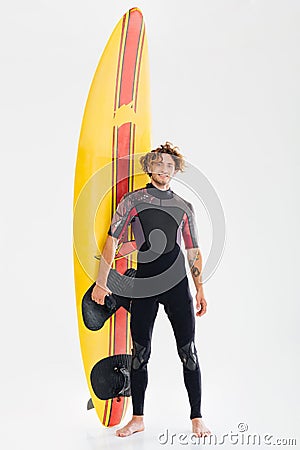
x=90, y=404
x=95, y=315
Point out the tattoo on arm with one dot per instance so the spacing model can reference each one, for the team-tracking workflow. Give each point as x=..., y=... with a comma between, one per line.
x=195, y=257
x=195, y=271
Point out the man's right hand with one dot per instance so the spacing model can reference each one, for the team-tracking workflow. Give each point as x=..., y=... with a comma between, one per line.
x=99, y=294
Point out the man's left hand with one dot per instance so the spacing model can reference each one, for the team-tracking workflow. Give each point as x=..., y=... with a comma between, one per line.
x=201, y=304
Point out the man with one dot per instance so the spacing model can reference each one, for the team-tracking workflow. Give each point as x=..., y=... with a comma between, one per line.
x=158, y=217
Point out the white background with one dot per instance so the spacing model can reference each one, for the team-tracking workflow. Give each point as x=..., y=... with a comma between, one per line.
x=225, y=88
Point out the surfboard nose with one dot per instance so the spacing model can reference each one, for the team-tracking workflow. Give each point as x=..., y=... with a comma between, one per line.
x=135, y=8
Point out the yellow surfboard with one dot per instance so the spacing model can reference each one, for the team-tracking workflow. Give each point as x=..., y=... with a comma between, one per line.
x=115, y=131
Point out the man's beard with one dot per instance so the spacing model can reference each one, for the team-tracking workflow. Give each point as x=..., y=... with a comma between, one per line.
x=160, y=181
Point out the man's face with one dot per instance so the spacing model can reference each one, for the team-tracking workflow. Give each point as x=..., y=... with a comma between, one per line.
x=163, y=169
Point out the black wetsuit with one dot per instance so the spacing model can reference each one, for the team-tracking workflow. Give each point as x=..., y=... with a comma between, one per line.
x=159, y=219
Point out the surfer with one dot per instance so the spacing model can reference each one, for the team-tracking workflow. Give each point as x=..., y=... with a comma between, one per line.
x=159, y=218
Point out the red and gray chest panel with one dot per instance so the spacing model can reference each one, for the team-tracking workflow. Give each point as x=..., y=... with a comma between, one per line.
x=159, y=219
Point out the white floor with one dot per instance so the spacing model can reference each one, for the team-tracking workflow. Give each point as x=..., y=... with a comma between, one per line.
x=48, y=409
x=65, y=424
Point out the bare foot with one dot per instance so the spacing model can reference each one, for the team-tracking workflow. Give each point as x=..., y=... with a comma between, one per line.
x=134, y=425
x=199, y=427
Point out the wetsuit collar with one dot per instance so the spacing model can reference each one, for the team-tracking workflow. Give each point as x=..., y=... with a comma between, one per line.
x=153, y=190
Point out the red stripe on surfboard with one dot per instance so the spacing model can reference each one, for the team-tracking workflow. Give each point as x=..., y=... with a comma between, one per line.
x=106, y=410
x=123, y=160
x=120, y=326
x=124, y=144
x=138, y=71
x=129, y=67
x=130, y=56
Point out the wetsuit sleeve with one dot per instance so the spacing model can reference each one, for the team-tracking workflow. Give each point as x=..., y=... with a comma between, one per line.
x=122, y=217
x=189, y=228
